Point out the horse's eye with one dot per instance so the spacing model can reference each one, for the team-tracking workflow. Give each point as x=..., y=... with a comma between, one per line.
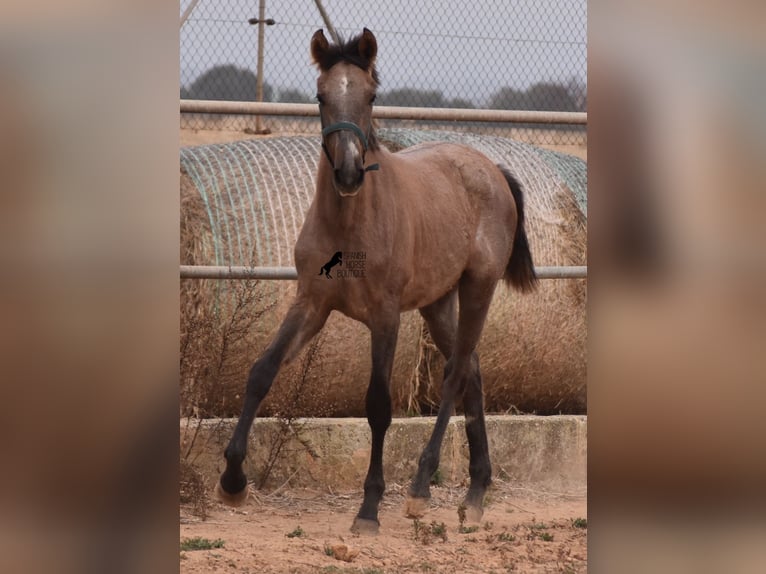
x=320, y=99
x=372, y=99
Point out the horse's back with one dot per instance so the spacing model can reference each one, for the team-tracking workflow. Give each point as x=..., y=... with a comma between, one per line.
x=460, y=169
x=462, y=204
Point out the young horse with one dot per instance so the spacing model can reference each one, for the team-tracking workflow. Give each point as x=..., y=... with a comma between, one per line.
x=433, y=225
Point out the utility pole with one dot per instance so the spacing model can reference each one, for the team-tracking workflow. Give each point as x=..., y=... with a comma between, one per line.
x=262, y=22
x=327, y=22
x=185, y=16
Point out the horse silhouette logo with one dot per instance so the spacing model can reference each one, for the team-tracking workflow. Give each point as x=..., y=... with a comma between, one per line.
x=337, y=259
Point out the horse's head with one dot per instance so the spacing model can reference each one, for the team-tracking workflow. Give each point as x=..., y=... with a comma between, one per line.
x=345, y=92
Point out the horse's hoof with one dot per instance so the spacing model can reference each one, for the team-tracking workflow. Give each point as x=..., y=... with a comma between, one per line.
x=473, y=514
x=365, y=526
x=415, y=507
x=236, y=499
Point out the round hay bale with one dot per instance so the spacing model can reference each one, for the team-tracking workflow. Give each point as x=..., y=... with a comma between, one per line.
x=244, y=203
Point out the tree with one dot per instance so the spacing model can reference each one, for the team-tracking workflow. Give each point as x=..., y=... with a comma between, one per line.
x=579, y=93
x=508, y=99
x=294, y=96
x=540, y=96
x=459, y=103
x=551, y=96
x=227, y=82
x=420, y=99
x=411, y=97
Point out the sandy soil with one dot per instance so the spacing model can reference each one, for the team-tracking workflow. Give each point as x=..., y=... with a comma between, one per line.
x=522, y=531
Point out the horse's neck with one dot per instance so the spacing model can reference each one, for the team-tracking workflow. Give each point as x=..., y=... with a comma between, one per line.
x=343, y=213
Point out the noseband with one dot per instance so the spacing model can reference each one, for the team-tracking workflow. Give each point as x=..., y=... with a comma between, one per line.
x=350, y=126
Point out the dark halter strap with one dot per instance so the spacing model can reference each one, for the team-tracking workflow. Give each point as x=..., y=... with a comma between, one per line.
x=350, y=126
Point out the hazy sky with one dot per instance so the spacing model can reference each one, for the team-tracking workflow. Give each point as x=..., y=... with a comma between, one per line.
x=466, y=50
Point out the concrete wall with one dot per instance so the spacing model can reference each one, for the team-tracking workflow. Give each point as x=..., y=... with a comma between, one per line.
x=537, y=452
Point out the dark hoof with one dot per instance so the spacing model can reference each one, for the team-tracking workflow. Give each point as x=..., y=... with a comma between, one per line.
x=365, y=526
x=415, y=507
x=235, y=499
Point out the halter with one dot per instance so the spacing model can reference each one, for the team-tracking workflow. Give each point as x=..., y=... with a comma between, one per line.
x=339, y=126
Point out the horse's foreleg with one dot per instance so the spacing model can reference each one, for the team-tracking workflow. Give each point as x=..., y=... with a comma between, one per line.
x=378, y=405
x=302, y=322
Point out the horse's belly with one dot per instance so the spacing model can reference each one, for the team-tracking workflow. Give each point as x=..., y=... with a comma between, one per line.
x=428, y=283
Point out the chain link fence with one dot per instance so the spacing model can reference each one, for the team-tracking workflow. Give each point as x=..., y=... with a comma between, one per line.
x=525, y=55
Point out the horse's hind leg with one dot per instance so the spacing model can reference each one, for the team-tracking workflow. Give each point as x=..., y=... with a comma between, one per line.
x=378, y=405
x=479, y=467
x=475, y=295
x=441, y=317
x=301, y=323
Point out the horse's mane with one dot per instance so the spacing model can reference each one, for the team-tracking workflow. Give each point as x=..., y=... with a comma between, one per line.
x=347, y=51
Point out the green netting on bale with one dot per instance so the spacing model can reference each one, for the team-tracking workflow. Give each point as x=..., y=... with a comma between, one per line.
x=255, y=194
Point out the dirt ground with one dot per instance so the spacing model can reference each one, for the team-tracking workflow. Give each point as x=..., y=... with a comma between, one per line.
x=303, y=531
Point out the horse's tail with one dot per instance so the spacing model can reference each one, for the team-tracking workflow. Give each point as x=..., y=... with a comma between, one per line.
x=520, y=272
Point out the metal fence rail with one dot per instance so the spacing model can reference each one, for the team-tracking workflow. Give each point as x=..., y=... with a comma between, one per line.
x=290, y=273
x=387, y=112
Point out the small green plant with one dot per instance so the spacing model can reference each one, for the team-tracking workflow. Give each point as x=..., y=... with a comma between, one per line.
x=426, y=533
x=439, y=530
x=198, y=543
x=537, y=531
x=328, y=550
x=546, y=537
x=297, y=533
x=468, y=529
x=417, y=526
x=580, y=523
x=506, y=537
x=437, y=479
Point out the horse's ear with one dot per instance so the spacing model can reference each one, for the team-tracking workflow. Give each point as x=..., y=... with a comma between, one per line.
x=368, y=46
x=319, y=46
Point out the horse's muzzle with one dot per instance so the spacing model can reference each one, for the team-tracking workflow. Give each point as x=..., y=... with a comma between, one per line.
x=348, y=179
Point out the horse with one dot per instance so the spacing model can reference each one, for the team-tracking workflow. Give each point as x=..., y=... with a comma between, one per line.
x=439, y=225
x=336, y=259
